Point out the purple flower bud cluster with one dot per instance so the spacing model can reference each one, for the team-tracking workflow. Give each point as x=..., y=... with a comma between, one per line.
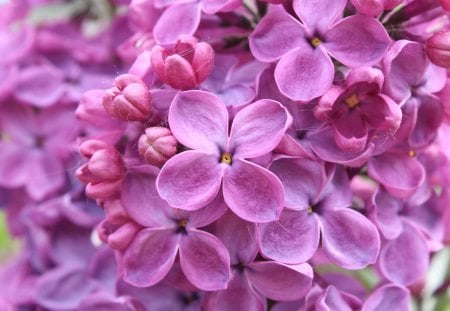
x=233, y=154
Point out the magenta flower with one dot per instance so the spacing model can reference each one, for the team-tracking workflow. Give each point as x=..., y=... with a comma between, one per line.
x=305, y=69
x=317, y=209
x=203, y=258
x=191, y=179
x=358, y=111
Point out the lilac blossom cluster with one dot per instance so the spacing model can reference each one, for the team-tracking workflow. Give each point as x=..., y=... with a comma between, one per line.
x=235, y=151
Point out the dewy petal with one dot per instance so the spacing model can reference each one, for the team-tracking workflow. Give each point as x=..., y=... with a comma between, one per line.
x=178, y=19
x=292, y=239
x=141, y=200
x=280, y=282
x=319, y=14
x=302, y=179
x=205, y=260
x=275, y=35
x=237, y=296
x=388, y=297
x=149, y=257
x=400, y=174
x=258, y=128
x=244, y=249
x=304, y=73
x=349, y=239
x=190, y=180
x=357, y=40
x=199, y=120
x=405, y=260
x=252, y=192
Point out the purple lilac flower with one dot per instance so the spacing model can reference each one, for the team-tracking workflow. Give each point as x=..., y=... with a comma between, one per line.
x=302, y=48
x=191, y=179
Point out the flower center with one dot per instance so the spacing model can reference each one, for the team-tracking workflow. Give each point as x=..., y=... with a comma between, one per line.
x=226, y=158
x=315, y=42
x=411, y=153
x=352, y=101
x=182, y=223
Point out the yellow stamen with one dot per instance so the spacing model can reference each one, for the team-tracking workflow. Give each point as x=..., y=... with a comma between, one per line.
x=182, y=223
x=315, y=42
x=226, y=158
x=411, y=153
x=310, y=209
x=352, y=101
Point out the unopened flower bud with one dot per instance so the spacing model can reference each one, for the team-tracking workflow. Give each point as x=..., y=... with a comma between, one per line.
x=369, y=7
x=104, y=171
x=438, y=48
x=186, y=65
x=129, y=99
x=157, y=145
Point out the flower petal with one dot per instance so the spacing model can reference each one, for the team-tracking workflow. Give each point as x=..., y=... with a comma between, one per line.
x=304, y=73
x=244, y=249
x=405, y=260
x=205, y=260
x=349, y=239
x=252, y=192
x=357, y=40
x=280, y=282
x=292, y=239
x=388, y=297
x=177, y=19
x=258, y=128
x=400, y=174
x=199, y=120
x=149, y=257
x=319, y=14
x=190, y=180
x=275, y=35
x=237, y=296
x=141, y=200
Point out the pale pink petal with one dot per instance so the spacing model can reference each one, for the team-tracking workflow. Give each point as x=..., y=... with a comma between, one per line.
x=304, y=73
x=178, y=19
x=252, y=192
x=190, y=180
x=292, y=239
x=258, y=128
x=280, y=282
x=199, y=120
x=149, y=257
x=275, y=35
x=319, y=14
x=357, y=40
x=205, y=260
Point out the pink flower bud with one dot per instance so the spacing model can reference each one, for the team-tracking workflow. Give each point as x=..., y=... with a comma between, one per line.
x=186, y=65
x=438, y=48
x=369, y=7
x=104, y=171
x=129, y=99
x=157, y=145
x=445, y=4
